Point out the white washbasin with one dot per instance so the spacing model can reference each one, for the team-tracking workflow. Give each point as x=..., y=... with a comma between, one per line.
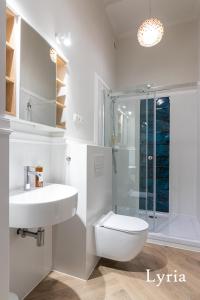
x=50, y=205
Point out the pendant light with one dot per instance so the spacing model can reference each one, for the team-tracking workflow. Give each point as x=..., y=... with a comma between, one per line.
x=151, y=31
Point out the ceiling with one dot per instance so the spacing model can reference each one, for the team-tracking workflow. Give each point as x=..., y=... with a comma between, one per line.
x=126, y=15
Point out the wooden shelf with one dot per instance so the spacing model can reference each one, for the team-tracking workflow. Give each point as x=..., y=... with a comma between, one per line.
x=9, y=46
x=61, y=69
x=10, y=107
x=10, y=98
x=10, y=66
x=10, y=22
x=61, y=72
x=9, y=13
x=61, y=97
x=10, y=80
x=60, y=104
x=60, y=82
x=61, y=62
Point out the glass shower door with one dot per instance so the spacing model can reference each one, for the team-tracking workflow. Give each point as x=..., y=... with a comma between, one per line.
x=147, y=188
x=140, y=141
x=131, y=156
x=147, y=156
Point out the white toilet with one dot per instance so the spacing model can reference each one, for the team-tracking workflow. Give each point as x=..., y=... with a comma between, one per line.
x=13, y=296
x=120, y=237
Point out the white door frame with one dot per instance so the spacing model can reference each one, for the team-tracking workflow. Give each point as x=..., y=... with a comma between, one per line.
x=99, y=110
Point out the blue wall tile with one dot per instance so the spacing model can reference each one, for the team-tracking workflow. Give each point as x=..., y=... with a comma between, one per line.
x=162, y=152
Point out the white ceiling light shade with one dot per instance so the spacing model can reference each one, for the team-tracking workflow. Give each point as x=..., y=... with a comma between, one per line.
x=150, y=33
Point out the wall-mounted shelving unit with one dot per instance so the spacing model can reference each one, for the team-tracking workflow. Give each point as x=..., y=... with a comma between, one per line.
x=10, y=77
x=61, y=72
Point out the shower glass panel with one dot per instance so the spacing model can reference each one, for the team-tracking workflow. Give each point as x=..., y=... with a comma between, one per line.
x=140, y=142
x=127, y=190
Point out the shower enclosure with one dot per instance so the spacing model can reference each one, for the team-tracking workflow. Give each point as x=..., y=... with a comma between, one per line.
x=139, y=128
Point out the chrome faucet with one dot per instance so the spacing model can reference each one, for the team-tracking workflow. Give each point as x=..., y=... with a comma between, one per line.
x=28, y=172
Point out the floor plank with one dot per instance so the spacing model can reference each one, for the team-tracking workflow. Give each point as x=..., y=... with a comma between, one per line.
x=113, y=280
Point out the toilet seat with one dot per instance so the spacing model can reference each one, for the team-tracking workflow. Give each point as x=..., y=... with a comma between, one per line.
x=120, y=237
x=123, y=223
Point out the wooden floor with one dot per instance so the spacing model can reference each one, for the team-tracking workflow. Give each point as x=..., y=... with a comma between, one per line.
x=127, y=281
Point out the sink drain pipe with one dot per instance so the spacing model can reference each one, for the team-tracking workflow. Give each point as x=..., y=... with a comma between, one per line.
x=38, y=235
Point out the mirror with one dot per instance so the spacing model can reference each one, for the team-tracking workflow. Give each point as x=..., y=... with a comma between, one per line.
x=37, y=79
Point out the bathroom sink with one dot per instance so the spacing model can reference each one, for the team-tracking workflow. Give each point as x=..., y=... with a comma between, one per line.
x=50, y=205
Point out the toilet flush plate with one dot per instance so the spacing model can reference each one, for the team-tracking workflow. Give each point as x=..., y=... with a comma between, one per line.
x=50, y=205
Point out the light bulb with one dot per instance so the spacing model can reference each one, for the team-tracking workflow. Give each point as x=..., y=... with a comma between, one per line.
x=150, y=33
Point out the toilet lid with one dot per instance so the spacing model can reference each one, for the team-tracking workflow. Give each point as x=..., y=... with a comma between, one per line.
x=124, y=223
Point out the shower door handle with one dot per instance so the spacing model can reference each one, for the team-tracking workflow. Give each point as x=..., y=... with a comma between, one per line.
x=150, y=157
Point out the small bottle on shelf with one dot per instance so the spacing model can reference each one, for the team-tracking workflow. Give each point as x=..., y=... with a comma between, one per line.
x=39, y=181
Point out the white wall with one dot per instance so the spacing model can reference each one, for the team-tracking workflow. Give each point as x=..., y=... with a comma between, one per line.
x=2, y=53
x=198, y=131
x=92, y=50
x=99, y=196
x=4, y=148
x=29, y=264
x=198, y=155
x=74, y=241
x=66, y=245
x=183, y=152
x=173, y=61
x=4, y=213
